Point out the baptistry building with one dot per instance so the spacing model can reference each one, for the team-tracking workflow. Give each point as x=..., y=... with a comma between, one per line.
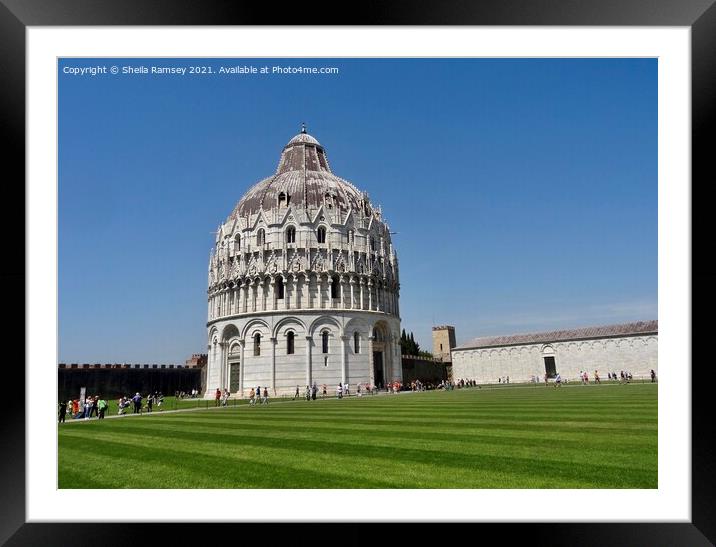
x=303, y=284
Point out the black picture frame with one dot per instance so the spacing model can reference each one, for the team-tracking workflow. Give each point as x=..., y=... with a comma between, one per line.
x=17, y=15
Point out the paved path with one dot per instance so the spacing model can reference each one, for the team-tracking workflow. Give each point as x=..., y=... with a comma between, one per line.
x=161, y=412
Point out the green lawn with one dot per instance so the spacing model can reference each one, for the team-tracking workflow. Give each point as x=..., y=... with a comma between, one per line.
x=512, y=437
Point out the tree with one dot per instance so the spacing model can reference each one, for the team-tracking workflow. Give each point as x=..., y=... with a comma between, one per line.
x=404, y=343
x=415, y=348
x=408, y=345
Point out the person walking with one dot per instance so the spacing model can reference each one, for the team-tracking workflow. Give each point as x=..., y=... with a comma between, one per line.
x=93, y=408
x=297, y=395
x=653, y=375
x=265, y=399
x=217, y=397
x=314, y=391
x=252, y=398
x=558, y=380
x=102, y=408
x=63, y=411
x=308, y=393
x=137, y=403
x=150, y=402
x=339, y=391
x=325, y=390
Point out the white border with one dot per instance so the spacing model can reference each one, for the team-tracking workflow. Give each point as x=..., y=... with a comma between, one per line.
x=670, y=502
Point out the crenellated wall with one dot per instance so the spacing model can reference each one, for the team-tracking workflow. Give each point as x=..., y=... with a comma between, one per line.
x=116, y=382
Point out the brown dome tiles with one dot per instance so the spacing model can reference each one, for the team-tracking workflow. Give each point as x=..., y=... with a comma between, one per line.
x=304, y=175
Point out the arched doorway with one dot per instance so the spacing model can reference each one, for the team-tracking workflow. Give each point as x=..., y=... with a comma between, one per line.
x=550, y=367
x=234, y=360
x=379, y=371
x=232, y=357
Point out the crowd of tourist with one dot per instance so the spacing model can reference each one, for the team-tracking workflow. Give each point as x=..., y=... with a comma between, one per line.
x=257, y=396
x=460, y=383
x=91, y=406
x=152, y=400
x=97, y=406
x=221, y=397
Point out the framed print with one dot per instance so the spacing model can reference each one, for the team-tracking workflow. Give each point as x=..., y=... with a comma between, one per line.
x=495, y=172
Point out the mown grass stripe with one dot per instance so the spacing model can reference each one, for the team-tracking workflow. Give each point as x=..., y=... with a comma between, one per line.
x=506, y=438
x=524, y=437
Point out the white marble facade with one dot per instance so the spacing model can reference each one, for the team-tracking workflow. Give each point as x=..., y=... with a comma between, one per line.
x=303, y=284
x=633, y=349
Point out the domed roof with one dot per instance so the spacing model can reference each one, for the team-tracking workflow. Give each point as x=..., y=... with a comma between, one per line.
x=305, y=179
x=303, y=137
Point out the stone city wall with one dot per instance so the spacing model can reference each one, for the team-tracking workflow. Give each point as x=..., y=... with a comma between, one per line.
x=113, y=381
x=423, y=369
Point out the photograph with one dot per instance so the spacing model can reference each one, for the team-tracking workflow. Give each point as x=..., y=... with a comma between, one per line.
x=423, y=268
x=358, y=273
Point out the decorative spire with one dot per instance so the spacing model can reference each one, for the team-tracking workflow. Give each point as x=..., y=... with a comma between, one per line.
x=303, y=127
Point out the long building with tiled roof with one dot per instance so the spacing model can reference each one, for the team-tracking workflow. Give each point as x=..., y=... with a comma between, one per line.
x=586, y=333
x=600, y=350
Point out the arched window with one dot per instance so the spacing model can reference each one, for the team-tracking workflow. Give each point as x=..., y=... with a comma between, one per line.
x=260, y=236
x=372, y=244
x=351, y=236
x=282, y=200
x=324, y=341
x=237, y=242
x=335, y=287
x=290, y=234
x=356, y=342
x=377, y=335
x=290, y=348
x=257, y=344
x=321, y=233
x=279, y=288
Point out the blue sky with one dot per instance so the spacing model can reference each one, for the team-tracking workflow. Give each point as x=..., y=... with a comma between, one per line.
x=523, y=191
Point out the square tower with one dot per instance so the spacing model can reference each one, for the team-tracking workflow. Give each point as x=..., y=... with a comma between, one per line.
x=443, y=342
